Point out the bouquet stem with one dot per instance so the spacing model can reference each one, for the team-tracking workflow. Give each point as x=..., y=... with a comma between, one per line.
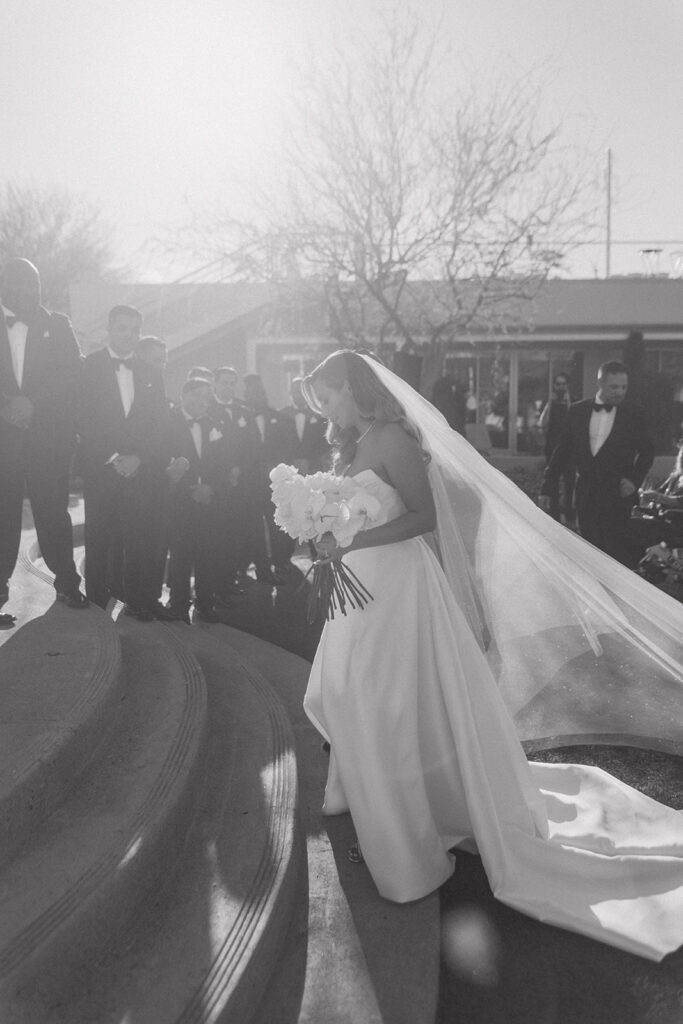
x=334, y=586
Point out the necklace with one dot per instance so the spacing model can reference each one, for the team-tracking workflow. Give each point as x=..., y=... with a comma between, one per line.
x=365, y=432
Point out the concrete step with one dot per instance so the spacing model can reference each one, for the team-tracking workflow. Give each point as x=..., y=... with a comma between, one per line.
x=79, y=884
x=205, y=951
x=59, y=681
x=350, y=956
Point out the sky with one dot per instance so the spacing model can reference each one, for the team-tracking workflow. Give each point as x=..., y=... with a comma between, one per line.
x=152, y=107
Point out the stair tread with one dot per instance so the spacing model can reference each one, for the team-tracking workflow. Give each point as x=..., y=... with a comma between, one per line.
x=220, y=922
x=90, y=843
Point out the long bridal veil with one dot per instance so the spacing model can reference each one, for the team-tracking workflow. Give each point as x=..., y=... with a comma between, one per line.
x=582, y=648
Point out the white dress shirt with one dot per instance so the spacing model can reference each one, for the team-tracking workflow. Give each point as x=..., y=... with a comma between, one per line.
x=600, y=428
x=196, y=431
x=17, y=345
x=300, y=419
x=124, y=377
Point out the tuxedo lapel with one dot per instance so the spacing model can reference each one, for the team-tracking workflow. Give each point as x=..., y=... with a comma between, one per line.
x=37, y=337
x=7, y=379
x=584, y=441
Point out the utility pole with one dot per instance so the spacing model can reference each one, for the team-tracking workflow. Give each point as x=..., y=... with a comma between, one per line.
x=608, y=236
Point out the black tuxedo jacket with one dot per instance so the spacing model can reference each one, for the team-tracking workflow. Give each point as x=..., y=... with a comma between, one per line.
x=211, y=467
x=273, y=439
x=312, y=445
x=626, y=454
x=52, y=372
x=236, y=424
x=103, y=427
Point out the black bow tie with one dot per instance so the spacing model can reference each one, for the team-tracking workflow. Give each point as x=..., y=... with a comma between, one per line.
x=118, y=363
x=12, y=320
x=600, y=407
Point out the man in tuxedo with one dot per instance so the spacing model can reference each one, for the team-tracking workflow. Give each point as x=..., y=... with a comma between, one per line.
x=40, y=368
x=273, y=438
x=152, y=350
x=122, y=421
x=608, y=443
x=234, y=420
x=551, y=421
x=310, y=450
x=197, y=473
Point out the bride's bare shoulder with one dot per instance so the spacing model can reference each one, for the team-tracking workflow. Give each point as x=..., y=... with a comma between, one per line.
x=393, y=435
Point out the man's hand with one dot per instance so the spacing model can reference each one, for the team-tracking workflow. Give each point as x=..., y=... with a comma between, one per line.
x=17, y=411
x=126, y=465
x=626, y=487
x=202, y=494
x=543, y=502
x=177, y=468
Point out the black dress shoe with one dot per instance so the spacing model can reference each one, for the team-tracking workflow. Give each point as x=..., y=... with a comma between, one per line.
x=141, y=614
x=73, y=598
x=235, y=588
x=266, y=576
x=178, y=614
x=206, y=613
x=7, y=620
x=164, y=614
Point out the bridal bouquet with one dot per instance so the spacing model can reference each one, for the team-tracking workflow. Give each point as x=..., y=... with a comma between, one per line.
x=306, y=508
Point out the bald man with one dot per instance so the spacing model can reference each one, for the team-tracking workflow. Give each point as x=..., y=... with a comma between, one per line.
x=40, y=368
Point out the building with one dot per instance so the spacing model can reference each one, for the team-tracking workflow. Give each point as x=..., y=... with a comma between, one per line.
x=570, y=326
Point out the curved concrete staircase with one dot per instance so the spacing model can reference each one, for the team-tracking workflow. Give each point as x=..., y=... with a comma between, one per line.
x=162, y=856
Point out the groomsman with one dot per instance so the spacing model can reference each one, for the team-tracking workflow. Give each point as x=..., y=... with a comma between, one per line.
x=607, y=441
x=40, y=367
x=122, y=423
x=235, y=421
x=310, y=450
x=197, y=472
x=274, y=437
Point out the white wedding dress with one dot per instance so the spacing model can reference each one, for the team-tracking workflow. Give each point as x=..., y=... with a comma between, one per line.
x=425, y=756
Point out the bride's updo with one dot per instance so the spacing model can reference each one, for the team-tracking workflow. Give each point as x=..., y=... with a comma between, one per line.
x=373, y=400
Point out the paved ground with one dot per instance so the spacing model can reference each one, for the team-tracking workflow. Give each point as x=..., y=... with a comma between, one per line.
x=500, y=967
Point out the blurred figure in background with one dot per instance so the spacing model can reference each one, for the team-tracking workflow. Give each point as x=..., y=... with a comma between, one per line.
x=450, y=399
x=551, y=421
x=152, y=350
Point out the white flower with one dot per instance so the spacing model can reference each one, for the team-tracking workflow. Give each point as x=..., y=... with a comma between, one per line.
x=215, y=435
x=306, y=507
x=282, y=472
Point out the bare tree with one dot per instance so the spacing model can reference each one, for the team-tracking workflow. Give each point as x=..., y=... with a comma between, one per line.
x=417, y=212
x=62, y=234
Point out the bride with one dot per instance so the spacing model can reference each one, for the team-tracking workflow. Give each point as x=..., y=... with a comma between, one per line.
x=490, y=624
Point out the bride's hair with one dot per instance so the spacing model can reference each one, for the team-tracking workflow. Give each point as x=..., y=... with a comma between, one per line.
x=373, y=399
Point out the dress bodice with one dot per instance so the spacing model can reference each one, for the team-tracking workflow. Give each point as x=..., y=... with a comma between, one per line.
x=388, y=496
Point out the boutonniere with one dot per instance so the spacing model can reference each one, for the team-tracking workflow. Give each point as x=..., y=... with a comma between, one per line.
x=314, y=419
x=214, y=435
x=241, y=422
x=273, y=419
x=46, y=334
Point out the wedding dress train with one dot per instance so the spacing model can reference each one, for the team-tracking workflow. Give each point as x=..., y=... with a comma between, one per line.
x=426, y=756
